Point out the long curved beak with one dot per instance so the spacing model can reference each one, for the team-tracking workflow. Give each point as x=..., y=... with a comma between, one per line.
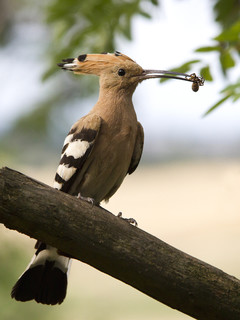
x=151, y=74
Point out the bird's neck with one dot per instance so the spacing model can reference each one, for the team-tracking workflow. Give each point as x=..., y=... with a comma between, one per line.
x=115, y=102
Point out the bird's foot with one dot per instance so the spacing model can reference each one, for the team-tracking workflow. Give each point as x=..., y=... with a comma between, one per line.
x=129, y=220
x=88, y=199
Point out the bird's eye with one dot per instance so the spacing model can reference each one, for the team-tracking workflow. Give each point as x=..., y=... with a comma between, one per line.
x=121, y=72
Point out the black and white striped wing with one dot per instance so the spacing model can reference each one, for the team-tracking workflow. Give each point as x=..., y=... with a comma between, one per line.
x=76, y=149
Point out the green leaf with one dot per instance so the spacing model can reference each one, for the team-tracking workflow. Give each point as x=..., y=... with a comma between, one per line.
x=154, y=2
x=226, y=61
x=216, y=105
x=208, y=49
x=231, y=89
x=236, y=97
x=145, y=14
x=206, y=74
x=226, y=11
x=230, y=34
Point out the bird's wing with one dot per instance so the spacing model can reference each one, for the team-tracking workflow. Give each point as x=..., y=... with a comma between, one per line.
x=137, y=152
x=76, y=149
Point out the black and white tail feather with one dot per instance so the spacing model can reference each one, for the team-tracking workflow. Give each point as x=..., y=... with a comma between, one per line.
x=45, y=279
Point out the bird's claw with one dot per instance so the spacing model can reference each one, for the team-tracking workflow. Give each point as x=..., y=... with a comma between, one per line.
x=88, y=199
x=129, y=220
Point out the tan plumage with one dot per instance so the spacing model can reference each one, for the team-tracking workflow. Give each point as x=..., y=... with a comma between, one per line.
x=117, y=147
x=98, y=152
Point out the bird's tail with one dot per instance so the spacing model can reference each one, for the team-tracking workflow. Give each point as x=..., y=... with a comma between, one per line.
x=45, y=279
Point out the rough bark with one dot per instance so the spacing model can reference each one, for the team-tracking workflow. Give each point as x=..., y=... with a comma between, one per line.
x=97, y=237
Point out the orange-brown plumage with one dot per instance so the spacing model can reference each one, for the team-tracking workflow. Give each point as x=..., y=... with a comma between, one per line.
x=98, y=152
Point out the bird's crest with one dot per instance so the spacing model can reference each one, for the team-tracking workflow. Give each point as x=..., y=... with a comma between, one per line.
x=94, y=63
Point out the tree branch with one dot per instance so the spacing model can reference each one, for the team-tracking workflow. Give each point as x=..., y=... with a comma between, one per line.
x=95, y=236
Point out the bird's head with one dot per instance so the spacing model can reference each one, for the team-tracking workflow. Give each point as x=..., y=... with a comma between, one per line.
x=120, y=71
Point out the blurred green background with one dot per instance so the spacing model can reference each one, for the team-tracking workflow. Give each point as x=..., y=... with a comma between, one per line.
x=186, y=190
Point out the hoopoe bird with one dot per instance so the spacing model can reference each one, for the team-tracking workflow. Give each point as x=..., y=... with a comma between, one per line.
x=99, y=151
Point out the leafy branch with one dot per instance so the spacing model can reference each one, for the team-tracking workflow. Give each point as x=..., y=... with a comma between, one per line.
x=226, y=45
